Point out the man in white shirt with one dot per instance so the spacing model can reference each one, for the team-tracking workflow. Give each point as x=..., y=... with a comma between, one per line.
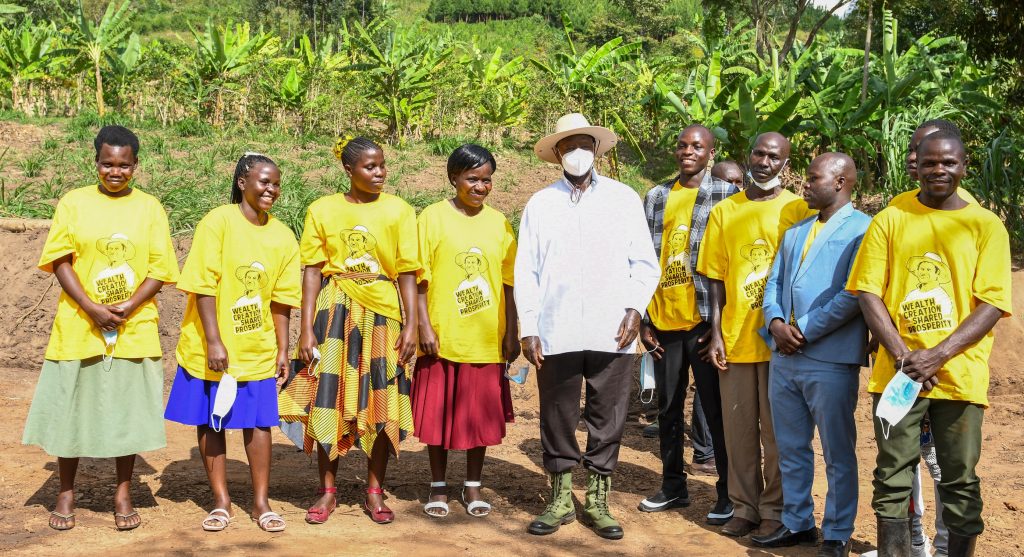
x=585, y=271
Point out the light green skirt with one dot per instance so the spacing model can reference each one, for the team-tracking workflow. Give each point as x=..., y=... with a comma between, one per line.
x=83, y=408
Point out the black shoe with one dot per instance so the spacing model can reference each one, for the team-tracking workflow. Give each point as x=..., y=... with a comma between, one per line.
x=720, y=513
x=540, y=528
x=834, y=548
x=784, y=537
x=661, y=502
x=651, y=430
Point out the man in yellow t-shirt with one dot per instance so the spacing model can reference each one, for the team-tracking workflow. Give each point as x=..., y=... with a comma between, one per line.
x=677, y=323
x=736, y=255
x=933, y=278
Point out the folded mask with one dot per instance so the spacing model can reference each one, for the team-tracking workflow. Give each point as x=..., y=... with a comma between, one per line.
x=227, y=390
x=647, y=377
x=897, y=399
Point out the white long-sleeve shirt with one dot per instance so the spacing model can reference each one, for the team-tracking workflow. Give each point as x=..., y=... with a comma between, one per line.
x=581, y=265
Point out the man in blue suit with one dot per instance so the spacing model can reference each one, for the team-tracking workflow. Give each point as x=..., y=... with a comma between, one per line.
x=818, y=340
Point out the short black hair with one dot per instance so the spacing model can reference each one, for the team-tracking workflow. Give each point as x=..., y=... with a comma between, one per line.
x=942, y=125
x=242, y=167
x=355, y=149
x=116, y=136
x=943, y=135
x=468, y=157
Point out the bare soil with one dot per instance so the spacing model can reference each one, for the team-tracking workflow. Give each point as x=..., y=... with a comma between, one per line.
x=172, y=494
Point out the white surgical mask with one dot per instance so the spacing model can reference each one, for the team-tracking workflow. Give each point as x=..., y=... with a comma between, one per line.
x=227, y=390
x=647, y=377
x=770, y=184
x=897, y=399
x=578, y=162
x=110, y=338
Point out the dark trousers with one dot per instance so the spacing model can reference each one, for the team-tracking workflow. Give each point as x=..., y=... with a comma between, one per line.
x=671, y=376
x=700, y=433
x=609, y=380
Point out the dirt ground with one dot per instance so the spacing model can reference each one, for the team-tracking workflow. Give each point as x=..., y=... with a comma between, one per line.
x=172, y=495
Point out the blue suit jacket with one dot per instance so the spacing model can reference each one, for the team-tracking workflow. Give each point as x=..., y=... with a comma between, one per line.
x=815, y=291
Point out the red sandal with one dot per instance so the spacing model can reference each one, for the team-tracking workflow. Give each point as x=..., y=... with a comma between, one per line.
x=382, y=514
x=317, y=515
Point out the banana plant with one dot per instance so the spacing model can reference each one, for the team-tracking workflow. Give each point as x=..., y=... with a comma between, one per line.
x=401, y=66
x=125, y=61
x=224, y=55
x=93, y=42
x=25, y=55
x=498, y=87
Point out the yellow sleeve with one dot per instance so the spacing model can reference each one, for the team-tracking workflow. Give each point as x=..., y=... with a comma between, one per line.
x=992, y=277
x=407, y=259
x=870, y=271
x=713, y=259
x=312, y=247
x=202, y=271
x=163, y=262
x=509, y=263
x=288, y=288
x=59, y=241
x=426, y=247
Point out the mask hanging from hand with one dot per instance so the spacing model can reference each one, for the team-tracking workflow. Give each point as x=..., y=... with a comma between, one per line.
x=227, y=390
x=897, y=399
x=578, y=162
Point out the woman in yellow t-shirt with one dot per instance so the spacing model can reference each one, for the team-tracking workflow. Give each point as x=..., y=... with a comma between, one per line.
x=467, y=328
x=101, y=387
x=242, y=279
x=359, y=253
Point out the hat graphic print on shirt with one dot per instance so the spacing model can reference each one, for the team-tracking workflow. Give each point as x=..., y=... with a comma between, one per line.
x=759, y=255
x=474, y=292
x=115, y=282
x=928, y=306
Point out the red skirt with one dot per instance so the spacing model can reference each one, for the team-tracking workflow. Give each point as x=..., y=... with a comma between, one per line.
x=460, y=406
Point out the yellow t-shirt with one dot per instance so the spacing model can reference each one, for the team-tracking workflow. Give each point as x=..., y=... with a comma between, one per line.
x=911, y=195
x=245, y=267
x=815, y=229
x=377, y=237
x=931, y=268
x=116, y=243
x=674, y=305
x=466, y=261
x=738, y=249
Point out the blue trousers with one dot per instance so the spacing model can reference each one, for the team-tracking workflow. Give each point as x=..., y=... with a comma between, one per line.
x=804, y=394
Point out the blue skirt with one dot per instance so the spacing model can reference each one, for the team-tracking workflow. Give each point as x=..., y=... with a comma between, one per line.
x=191, y=402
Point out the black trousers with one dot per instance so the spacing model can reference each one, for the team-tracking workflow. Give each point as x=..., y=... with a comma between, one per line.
x=609, y=380
x=671, y=377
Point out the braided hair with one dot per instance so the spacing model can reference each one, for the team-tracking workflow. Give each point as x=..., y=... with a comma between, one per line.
x=244, y=165
x=349, y=150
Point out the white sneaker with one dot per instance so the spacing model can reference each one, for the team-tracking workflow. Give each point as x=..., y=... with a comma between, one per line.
x=871, y=553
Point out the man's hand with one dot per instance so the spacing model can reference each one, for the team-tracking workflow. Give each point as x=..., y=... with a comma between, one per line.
x=650, y=341
x=532, y=350
x=714, y=352
x=629, y=328
x=788, y=338
x=923, y=365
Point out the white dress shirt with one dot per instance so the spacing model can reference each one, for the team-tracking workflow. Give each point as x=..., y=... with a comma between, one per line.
x=581, y=265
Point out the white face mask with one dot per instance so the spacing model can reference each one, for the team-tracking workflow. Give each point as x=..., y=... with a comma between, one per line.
x=770, y=184
x=897, y=399
x=110, y=338
x=227, y=390
x=647, y=377
x=578, y=162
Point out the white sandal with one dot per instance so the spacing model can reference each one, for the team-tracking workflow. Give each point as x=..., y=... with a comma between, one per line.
x=268, y=517
x=475, y=505
x=442, y=505
x=220, y=518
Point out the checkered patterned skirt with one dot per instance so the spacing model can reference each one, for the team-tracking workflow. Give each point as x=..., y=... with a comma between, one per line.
x=357, y=392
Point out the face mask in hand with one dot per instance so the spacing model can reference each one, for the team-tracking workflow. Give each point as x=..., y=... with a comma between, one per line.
x=110, y=339
x=897, y=399
x=770, y=184
x=227, y=390
x=578, y=162
x=647, y=377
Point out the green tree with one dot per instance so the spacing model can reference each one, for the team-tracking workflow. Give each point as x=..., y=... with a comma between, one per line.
x=226, y=53
x=25, y=55
x=95, y=41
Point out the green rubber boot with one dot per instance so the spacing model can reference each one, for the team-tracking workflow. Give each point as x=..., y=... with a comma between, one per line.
x=560, y=509
x=596, y=508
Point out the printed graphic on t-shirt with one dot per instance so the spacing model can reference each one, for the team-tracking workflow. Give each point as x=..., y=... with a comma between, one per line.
x=677, y=266
x=360, y=253
x=474, y=292
x=759, y=255
x=928, y=307
x=247, y=312
x=115, y=282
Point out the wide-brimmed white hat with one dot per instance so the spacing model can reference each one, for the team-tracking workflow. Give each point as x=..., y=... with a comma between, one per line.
x=574, y=124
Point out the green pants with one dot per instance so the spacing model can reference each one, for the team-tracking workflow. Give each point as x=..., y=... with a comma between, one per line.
x=956, y=427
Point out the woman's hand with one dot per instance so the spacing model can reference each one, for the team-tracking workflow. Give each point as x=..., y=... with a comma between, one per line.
x=429, y=343
x=406, y=345
x=510, y=348
x=281, y=367
x=307, y=342
x=106, y=317
x=216, y=355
